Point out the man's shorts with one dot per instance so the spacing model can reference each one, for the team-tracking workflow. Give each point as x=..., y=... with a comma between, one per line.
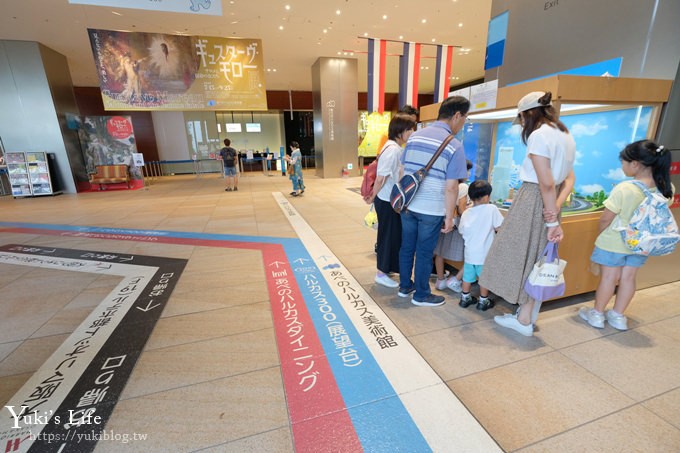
x=230, y=171
x=613, y=259
x=471, y=272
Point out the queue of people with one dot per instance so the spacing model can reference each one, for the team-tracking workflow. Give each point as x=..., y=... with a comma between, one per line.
x=499, y=253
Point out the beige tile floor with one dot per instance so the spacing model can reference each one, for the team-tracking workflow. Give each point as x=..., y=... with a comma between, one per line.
x=209, y=378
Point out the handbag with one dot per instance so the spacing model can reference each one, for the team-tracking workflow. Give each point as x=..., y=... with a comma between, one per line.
x=405, y=190
x=371, y=219
x=546, y=280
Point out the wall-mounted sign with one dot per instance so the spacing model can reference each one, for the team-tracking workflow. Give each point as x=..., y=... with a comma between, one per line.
x=138, y=159
x=209, y=7
x=153, y=71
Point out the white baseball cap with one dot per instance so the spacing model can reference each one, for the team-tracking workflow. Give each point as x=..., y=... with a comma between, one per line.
x=530, y=101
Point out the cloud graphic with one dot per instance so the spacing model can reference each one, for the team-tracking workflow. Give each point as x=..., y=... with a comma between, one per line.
x=642, y=124
x=514, y=131
x=620, y=145
x=577, y=158
x=596, y=153
x=582, y=129
x=616, y=174
x=589, y=189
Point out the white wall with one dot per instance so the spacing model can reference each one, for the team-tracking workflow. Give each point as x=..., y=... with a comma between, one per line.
x=171, y=136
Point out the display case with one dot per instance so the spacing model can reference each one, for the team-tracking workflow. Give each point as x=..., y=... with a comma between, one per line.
x=603, y=114
x=31, y=174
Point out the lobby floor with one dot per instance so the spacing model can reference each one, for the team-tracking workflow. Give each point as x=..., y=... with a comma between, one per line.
x=210, y=376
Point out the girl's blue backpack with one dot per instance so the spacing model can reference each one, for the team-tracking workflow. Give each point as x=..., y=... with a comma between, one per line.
x=652, y=230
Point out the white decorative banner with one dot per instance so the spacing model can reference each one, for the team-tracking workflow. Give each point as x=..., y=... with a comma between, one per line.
x=206, y=7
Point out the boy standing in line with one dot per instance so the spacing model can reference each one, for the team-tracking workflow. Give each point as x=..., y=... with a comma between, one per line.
x=478, y=226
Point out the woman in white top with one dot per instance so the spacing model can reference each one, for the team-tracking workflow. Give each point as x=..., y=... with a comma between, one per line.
x=533, y=219
x=389, y=223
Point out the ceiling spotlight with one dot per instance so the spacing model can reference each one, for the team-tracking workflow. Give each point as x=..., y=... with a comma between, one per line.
x=460, y=24
x=337, y=11
x=384, y=16
x=339, y=53
x=365, y=34
x=423, y=21
x=325, y=30
x=401, y=37
x=434, y=39
x=287, y=7
x=274, y=70
x=116, y=13
x=280, y=27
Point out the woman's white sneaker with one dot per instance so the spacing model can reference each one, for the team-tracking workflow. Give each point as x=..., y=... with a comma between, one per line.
x=454, y=285
x=511, y=322
x=384, y=280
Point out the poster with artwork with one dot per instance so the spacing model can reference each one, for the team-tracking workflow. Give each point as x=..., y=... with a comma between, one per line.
x=154, y=71
x=107, y=140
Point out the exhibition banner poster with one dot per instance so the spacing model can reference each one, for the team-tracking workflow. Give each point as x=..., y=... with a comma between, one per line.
x=373, y=132
x=153, y=71
x=207, y=7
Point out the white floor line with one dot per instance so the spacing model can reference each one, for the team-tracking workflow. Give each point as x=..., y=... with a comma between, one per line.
x=442, y=419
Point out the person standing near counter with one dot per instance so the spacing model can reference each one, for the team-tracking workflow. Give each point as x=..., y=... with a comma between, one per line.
x=547, y=175
x=228, y=155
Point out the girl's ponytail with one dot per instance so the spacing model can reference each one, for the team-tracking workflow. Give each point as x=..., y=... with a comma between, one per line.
x=658, y=158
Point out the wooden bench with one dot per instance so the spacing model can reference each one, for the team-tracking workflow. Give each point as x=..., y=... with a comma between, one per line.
x=110, y=174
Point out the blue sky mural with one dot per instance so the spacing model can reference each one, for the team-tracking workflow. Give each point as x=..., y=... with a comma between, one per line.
x=600, y=136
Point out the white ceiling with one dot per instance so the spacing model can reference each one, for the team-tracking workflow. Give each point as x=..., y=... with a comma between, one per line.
x=291, y=51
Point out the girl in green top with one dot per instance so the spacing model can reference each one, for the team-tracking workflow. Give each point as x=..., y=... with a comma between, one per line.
x=650, y=164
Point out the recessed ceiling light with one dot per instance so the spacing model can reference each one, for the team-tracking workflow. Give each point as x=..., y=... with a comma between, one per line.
x=274, y=70
x=337, y=11
x=460, y=24
x=287, y=7
x=401, y=36
x=325, y=31
x=339, y=53
x=365, y=34
x=280, y=27
x=234, y=22
x=423, y=21
x=434, y=39
x=384, y=16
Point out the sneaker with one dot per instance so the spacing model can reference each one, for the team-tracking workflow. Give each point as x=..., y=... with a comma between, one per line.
x=616, y=320
x=484, y=304
x=429, y=301
x=441, y=284
x=465, y=302
x=511, y=322
x=404, y=292
x=235, y=189
x=293, y=193
x=385, y=281
x=454, y=285
x=592, y=317
x=228, y=189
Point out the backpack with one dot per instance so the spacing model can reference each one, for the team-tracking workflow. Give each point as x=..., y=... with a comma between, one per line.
x=370, y=175
x=652, y=230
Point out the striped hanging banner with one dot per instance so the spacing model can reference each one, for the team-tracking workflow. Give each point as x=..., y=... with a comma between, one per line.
x=441, y=81
x=409, y=70
x=376, y=75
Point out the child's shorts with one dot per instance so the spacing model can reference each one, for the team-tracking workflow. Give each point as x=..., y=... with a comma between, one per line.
x=613, y=259
x=471, y=272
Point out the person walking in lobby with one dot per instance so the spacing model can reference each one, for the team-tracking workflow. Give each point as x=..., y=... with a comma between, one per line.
x=547, y=175
x=389, y=222
x=433, y=206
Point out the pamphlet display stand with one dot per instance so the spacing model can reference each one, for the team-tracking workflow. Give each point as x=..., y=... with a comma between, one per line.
x=32, y=174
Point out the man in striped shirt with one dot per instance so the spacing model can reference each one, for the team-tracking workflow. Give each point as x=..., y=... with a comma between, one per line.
x=431, y=210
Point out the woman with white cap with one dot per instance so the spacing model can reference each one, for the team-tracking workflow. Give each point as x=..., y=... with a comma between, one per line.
x=533, y=219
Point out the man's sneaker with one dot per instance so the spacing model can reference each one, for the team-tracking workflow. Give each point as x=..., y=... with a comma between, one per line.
x=405, y=292
x=441, y=284
x=484, y=304
x=235, y=189
x=429, y=301
x=228, y=189
x=293, y=193
x=454, y=284
x=511, y=322
x=616, y=320
x=592, y=317
x=385, y=281
x=465, y=302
